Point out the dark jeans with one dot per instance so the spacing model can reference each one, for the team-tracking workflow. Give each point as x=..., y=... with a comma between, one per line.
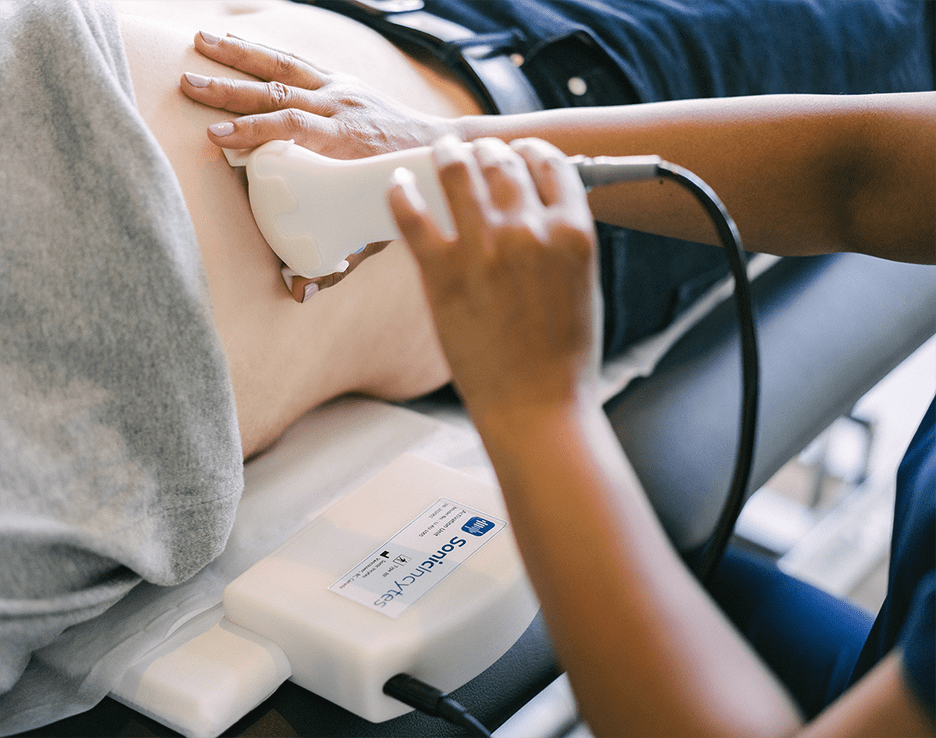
x=634, y=51
x=613, y=52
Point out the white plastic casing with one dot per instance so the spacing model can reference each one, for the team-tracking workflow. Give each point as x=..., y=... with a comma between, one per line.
x=345, y=650
x=204, y=677
x=314, y=211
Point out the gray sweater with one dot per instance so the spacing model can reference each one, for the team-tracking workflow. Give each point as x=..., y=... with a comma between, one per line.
x=120, y=458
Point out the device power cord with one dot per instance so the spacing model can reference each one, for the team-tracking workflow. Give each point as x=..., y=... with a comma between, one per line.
x=431, y=701
x=599, y=171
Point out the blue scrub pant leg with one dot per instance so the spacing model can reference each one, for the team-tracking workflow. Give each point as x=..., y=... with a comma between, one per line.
x=810, y=639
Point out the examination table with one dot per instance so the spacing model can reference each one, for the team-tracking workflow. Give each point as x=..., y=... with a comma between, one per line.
x=829, y=329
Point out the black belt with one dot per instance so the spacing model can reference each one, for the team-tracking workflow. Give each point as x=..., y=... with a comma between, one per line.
x=483, y=62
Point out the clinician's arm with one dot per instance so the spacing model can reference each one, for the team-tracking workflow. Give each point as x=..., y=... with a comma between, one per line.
x=800, y=174
x=647, y=651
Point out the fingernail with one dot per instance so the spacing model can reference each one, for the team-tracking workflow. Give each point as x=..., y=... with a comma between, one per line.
x=310, y=289
x=197, y=80
x=209, y=38
x=406, y=181
x=288, y=275
x=224, y=128
x=487, y=157
x=447, y=150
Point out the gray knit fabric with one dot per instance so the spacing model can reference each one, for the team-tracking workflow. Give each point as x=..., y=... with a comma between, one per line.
x=120, y=458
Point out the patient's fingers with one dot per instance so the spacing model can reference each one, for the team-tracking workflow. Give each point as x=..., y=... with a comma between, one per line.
x=287, y=80
x=260, y=48
x=304, y=288
x=317, y=133
x=336, y=115
x=251, y=131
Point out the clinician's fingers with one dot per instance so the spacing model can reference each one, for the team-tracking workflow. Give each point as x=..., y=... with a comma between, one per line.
x=570, y=223
x=263, y=62
x=506, y=174
x=466, y=191
x=556, y=180
x=415, y=222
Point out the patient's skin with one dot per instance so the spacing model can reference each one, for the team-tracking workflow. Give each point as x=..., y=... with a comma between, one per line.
x=373, y=332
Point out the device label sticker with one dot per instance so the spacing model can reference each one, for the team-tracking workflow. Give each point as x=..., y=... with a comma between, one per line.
x=418, y=557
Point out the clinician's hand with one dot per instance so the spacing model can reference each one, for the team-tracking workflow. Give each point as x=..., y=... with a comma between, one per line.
x=513, y=293
x=336, y=115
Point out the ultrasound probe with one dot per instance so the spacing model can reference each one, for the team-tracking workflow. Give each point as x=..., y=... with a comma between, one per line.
x=314, y=211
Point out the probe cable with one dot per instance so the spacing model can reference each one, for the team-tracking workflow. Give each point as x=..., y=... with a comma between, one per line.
x=731, y=241
x=600, y=171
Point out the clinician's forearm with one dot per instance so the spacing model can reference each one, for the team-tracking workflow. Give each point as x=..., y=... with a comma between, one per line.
x=646, y=651
x=800, y=174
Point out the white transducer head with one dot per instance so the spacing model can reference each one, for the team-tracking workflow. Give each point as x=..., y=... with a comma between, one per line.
x=314, y=211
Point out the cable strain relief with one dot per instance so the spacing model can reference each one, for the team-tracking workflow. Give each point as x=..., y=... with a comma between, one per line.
x=413, y=692
x=432, y=701
x=451, y=710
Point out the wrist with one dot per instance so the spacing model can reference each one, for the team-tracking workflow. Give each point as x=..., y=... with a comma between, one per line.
x=516, y=422
x=468, y=127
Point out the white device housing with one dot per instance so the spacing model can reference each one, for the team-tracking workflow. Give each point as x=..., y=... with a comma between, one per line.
x=283, y=617
x=314, y=211
x=345, y=651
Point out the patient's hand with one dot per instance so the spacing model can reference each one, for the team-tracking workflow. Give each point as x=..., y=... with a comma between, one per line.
x=336, y=115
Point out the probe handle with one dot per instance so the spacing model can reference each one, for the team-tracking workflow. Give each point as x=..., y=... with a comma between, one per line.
x=314, y=211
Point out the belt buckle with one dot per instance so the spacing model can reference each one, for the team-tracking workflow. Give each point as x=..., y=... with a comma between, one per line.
x=386, y=7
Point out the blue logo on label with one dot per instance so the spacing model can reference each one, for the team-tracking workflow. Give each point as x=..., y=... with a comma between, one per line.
x=477, y=526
